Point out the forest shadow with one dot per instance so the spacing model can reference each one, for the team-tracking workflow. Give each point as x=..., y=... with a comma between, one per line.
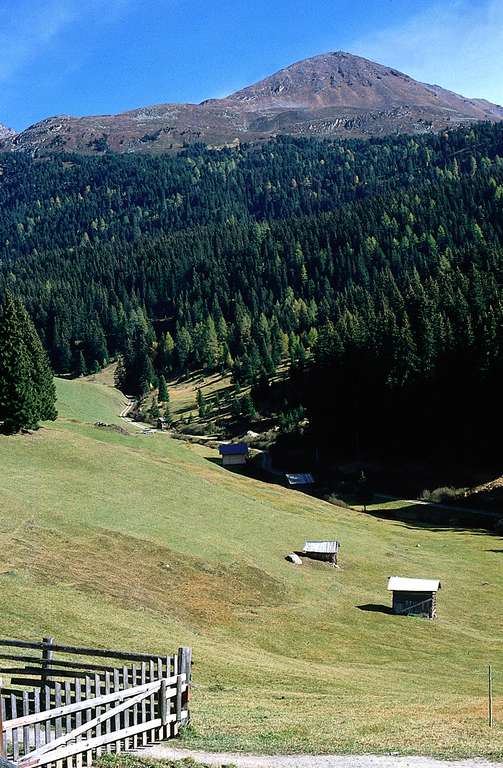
x=415, y=516
x=235, y=469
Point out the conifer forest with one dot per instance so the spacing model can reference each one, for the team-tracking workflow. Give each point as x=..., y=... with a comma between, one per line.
x=374, y=267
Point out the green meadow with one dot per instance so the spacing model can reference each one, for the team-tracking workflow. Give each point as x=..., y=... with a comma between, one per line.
x=145, y=543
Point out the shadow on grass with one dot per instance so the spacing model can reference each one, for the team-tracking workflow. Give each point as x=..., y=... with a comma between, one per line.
x=375, y=608
x=244, y=470
x=414, y=516
x=431, y=518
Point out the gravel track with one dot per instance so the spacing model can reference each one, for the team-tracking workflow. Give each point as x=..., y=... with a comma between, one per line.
x=164, y=751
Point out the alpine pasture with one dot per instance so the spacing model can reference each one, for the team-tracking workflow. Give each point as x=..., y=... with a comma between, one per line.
x=144, y=542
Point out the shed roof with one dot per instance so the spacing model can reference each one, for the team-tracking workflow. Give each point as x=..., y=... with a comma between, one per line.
x=233, y=449
x=300, y=478
x=399, y=584
x=323, y=547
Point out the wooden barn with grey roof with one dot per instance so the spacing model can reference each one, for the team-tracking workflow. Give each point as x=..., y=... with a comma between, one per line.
x=414, y=597
x=328, y=551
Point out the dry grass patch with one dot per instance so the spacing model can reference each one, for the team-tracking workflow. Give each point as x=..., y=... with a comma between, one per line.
x=130, y=572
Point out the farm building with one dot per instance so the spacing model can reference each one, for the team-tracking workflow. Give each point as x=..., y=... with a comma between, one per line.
x=300, y=478
x=233, y=453
x=414, y=597
x=322, y=550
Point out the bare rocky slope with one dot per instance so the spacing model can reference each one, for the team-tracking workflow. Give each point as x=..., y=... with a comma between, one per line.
x=334, y=94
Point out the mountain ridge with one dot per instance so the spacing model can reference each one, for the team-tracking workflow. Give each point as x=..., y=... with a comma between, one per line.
x=335, y=94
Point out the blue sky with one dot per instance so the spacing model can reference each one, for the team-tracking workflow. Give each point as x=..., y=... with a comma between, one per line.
x=102, y=56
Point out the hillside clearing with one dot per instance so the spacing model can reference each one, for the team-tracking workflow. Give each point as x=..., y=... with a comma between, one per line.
x=147, y=541
x=89, y=399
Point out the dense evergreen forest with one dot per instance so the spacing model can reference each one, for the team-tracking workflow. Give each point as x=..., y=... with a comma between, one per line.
x=375, y=266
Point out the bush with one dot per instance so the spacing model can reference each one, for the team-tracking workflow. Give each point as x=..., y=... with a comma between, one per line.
x=442, y=495
x=290, y=421
x=332, y=499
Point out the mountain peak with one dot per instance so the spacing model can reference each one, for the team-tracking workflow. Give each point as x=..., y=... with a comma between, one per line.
x=330, y=79
x=331, y=94
x=5, y=133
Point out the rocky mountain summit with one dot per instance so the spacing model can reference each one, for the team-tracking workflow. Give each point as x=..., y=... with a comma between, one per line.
x=334, y=94
x=6, y=133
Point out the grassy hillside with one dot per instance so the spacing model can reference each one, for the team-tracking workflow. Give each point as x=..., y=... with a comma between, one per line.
x=89, y=400
x=144, y=542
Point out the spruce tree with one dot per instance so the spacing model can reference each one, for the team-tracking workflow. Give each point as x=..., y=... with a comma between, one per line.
x=248, y=407
x=201, y=404
x=41, y=373
x=155, y=411
x=168, y=418
x=17, y=402
x=27, y=393
x=79, y=364
x=163, y=390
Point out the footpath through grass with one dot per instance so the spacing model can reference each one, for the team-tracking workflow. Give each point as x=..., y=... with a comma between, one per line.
x=143, y=542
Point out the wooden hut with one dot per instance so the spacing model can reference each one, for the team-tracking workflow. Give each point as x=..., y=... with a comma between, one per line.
x=233, y=454
x=322, y=550
x=414, y=597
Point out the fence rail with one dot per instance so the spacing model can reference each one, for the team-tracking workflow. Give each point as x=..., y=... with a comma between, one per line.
x=66, y=712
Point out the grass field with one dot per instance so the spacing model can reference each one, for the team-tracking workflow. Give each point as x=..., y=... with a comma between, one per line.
x=89, y=400
x=144, y=542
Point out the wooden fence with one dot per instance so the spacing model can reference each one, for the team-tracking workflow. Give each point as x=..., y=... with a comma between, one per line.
x=63, y=708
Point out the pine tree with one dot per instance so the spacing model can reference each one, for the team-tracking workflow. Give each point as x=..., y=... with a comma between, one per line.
x=183, y=347
x=27, y=393
x=120, y=374
x=42, y=376
x=168, y=418
x=213, y=351
x=17, y=402
x=163, y=390
x=155, y=411
x=248, y=407
x=79, y=364
x=201, y=404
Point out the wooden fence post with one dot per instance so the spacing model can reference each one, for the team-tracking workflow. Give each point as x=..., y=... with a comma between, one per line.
x=490, y=695
x=185, y=668
x=163, y=702
x=47, y=657
x=2, y=753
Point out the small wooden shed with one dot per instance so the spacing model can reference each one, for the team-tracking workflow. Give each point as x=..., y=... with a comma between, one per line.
x=414, y=597
x=322, y=550
x=233, y=453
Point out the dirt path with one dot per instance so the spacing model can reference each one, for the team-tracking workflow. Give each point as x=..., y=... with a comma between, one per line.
x=166, y=752
x=130, y=402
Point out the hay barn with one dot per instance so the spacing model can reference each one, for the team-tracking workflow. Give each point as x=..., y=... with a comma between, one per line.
x=233, y=454
x=328, y=551
x=414, y=597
